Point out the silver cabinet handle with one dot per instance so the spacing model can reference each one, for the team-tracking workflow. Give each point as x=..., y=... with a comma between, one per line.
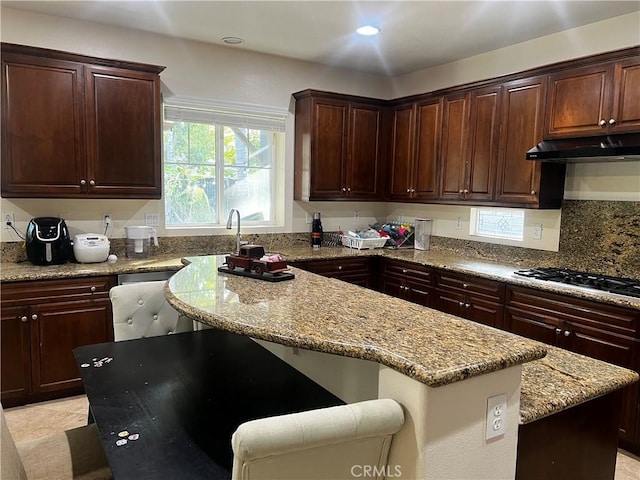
x=558, y=331
x=461, y=304
x=344, y=189
x=602, y=123
x=404, y=272
x=34, y=316
x=466, y=190
x=567, y=333
x=348, y=189
x=83, y=182
x=339, y=267
x=23, y=318
x=461, y=191
x=92, y=183
x=93, y=289
x=467, y=305
x=464, y=285
x=408, y=190
x=612, y=121
x=413, y=190
x=533, y=192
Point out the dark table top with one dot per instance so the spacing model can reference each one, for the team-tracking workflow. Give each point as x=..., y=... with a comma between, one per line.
x=184, y=395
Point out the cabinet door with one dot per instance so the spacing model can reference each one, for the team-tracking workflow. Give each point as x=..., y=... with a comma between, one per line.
x=56, y=331
x=427, y=150
x=447, y=301
x=393, y=286
x=363, y=162
x=521, y=128
x=123, y=133
x=578, y=101
x=484, y=128
x=454, y=147
x=15, y=361
x=626, y=96
x=43, y=140
x=401, y=167
x=328, y=147
x=531, y=325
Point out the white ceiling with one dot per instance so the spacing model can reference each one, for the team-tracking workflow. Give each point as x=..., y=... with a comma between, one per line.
x=415, y=34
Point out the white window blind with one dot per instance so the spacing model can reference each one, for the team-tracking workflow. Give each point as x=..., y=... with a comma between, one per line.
x=182, y=109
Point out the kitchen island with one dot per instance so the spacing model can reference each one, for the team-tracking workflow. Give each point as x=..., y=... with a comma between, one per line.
x=441, y=368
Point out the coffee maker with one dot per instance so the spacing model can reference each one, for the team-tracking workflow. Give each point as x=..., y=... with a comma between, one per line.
x=47, y=241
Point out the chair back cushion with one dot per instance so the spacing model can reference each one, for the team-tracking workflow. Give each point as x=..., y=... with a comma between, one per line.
x=343, y=442
x=141, y=310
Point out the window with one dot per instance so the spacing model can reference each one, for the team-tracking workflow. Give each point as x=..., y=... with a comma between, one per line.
x=497, y=223
x=216, y=159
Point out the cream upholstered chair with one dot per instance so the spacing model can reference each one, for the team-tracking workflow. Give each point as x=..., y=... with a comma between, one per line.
x=141, y=310
x=344, y=442
x=72, y=454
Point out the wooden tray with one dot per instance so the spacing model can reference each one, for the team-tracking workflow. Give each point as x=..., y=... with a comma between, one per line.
x=268, y=277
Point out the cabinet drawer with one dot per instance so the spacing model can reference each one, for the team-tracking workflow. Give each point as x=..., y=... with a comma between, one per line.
x=407, y=270
x=51, y=290
x=472, y=287
x=341, y=265
x=618, y=320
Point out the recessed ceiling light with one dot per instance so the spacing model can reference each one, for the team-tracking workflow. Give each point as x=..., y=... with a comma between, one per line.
x=368, y=30
x=232, y=40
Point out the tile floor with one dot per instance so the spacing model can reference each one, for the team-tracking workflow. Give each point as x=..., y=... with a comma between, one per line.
x=41, y=419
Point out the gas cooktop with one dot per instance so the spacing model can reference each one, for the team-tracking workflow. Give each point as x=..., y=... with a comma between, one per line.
x=619, y=285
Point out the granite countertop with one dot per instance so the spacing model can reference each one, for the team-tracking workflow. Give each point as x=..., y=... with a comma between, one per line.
x=328, y=315
x=331, y=316
x=564, y=379
x=442, y=259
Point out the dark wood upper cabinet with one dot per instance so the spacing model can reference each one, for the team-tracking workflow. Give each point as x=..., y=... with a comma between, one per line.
x=414, y=150
x=521, y=181
x=470, y=145
x=594, y=100
x=337, y=147
x=76, y=126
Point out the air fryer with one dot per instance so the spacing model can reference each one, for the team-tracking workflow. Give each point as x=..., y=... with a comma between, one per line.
x=48, y=241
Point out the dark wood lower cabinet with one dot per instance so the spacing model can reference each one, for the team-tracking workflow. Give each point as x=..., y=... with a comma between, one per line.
x=408, y=281
x=601, y=331
x=41, y=323
x=476, y=299
x=578, y=443
x=359, y=270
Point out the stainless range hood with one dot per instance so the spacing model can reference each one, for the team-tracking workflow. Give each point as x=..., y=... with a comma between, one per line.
x=625, y=146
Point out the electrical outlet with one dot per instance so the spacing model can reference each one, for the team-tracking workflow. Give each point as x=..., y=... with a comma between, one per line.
x=537, y=231
x=356, y=216
x=152, y=219
x=459, y=223
x=106, y=220
x=496, y=416
x=9, y=219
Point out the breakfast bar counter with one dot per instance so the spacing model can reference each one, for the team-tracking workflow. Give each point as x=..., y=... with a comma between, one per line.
x=437, y=365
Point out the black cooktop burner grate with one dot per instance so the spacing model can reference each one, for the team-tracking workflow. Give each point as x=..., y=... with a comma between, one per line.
x=619, y=285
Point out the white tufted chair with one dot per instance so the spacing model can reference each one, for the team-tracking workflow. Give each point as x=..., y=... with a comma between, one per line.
x=344, y=442
x=141, y=310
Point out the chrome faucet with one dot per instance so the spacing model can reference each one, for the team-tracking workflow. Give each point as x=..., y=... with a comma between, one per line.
x=229, y=222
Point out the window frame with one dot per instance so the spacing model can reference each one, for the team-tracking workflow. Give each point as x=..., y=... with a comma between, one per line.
x=231, y=115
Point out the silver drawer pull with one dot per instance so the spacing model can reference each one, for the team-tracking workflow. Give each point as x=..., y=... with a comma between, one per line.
x=93, y=289
x=34, y=316
x=23, y=318
x=567, y=333
x=558, y=331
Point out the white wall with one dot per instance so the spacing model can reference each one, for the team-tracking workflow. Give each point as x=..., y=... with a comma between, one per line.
x=231, y=75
